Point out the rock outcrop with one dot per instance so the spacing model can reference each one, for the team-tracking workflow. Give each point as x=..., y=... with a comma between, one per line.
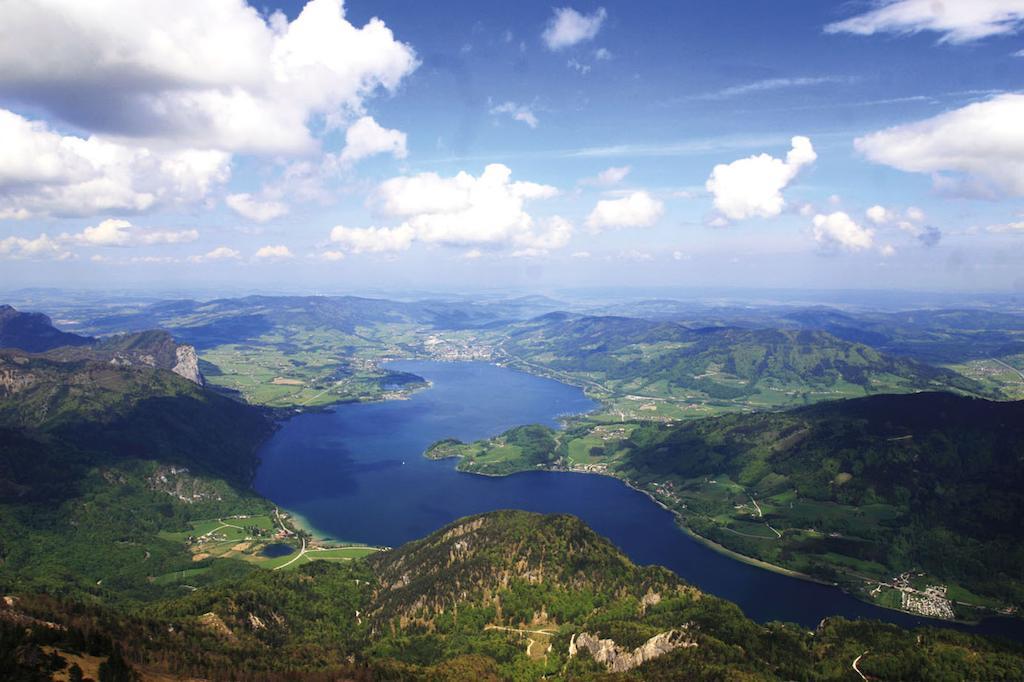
x=188, y=364
x=619, y=659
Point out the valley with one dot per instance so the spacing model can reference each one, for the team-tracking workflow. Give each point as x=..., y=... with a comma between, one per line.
x=330, y=421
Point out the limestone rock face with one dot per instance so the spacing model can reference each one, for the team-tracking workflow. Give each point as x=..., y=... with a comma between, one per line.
x=187, y=364
x=618, y=659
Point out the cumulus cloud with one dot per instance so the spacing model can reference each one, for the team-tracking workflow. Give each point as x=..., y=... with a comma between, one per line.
x=568, y=27
x=958, y=21
x=463, y=210
x=609, y=176
x=252, y=208
x=373, y=239
x=518, y=112
x=218, y=254
x=910, y=221
x=879, y=215
x=198, y=74
x=45, y=173
x=753, y=186
x=840, y=230
x=366, y=137
x=38, y=248
x=273, y=252
x=121, y=233
x=332, y=256
x=981, y=144
x=637, y=209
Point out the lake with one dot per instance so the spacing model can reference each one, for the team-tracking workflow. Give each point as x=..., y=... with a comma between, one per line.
x=358, y=474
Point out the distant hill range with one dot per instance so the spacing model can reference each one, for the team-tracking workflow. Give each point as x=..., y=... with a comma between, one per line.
x=721, y=362
x=231, y=320
x=35, y=333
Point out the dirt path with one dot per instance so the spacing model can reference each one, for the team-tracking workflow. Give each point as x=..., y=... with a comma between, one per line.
x=530, y=641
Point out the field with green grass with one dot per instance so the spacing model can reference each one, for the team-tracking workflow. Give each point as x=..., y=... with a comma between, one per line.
x=301, y=367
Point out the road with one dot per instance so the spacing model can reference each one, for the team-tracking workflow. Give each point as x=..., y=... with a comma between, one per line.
x=295, y=558
x=856, y=669
x=1010, y=367
x=530, y=640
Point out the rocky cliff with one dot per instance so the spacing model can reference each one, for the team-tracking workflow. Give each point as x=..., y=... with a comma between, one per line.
x=618, y=659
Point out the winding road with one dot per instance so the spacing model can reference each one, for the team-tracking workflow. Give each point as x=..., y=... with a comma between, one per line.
x=856, y=669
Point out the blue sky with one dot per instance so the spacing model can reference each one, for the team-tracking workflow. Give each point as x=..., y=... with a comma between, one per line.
x=467, y=145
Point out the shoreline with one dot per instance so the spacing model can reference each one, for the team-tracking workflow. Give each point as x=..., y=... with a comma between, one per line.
x=304, y=524
x=677, y=517
x=742, y=558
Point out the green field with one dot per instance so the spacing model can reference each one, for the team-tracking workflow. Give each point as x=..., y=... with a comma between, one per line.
x=302, y=367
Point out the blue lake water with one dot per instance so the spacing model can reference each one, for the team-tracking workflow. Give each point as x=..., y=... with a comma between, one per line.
x=358, y=474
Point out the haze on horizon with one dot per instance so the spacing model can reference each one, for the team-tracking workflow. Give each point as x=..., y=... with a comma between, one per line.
x=529, y=146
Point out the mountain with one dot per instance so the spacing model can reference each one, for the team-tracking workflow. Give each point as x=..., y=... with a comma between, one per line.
x=34, y=332
x=97, y=458
x=154, y=348
x=925, y=486
x=875, y=486
x=774, y=365
x=499, y=596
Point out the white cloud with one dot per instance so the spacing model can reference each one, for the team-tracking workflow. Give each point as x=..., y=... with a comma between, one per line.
x=581, y=254
x=579, y=67
x=1006, y=228
x=769, y=84
x=887, y=250
x=473, y=254
x=366, y=137
x=568, y=27
x=915, y=214
x=879, y=215
x=218, y=254
x=45, y=173
x=518, y=112
x=250, y=207
x=638, y=209
x=463, y=210
x=333, y=256
x=373, y=239
x=602, y=54
x=274, y=252
x=839, y=229
x=41, y=247
x=959, y=21
x=983, y=142
x=753, y=186
x=121, y=233
x=910, y=221
x=609, y=176
x=194, y=73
